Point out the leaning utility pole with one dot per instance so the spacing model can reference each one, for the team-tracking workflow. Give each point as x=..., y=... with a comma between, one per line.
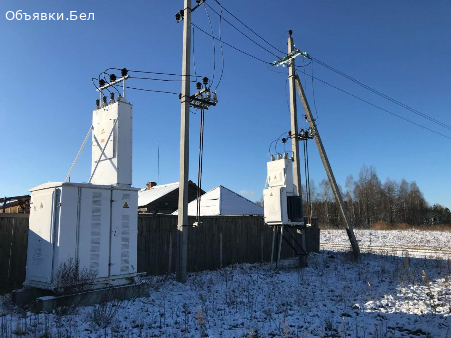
x=182, y=224
x=294, y=138
x=327, y=167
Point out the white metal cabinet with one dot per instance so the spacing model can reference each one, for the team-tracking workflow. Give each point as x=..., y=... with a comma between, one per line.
x=95, y=225
x=280, y=174
x=66, y=225
x=94, y=233
x=275, y=205
x=280, y=189
x=41, y=235
x=124, y=232
x=115, y=153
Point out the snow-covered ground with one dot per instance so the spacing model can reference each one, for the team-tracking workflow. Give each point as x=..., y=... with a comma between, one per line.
x=431, y=239
x=382, y=296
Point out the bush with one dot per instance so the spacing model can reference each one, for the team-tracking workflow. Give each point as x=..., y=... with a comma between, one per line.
x=70, y=279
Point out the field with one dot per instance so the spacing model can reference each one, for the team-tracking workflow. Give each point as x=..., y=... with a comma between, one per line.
x=394, y=292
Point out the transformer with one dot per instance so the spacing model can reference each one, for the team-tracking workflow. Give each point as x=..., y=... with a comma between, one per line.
x=282, y=205
x=94, y=224
x=112, y=144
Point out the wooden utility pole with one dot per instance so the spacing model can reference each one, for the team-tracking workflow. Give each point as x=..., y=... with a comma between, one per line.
x=295, y=141
x=182, y=224
x=327, y=167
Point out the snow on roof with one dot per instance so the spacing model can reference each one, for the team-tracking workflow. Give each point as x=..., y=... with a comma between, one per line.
x=223, y=201
x=148, y=196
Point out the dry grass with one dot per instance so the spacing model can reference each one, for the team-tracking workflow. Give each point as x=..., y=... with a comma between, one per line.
x=397, y=226
x=405, y=226
x=389, y=226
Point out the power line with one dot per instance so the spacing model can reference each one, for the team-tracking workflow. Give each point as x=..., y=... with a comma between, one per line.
x=444, y=125
x=244, y=33
x=222, y=50
x=403, y=118
x=194, y=58
x=425, y=116
x=214, y=47
x=302, y=66
x=228, y=44
x=92, y=79
x=152, y=90
x=378, y=107
x=156, y=79
x=248, y=27
x=314, y=99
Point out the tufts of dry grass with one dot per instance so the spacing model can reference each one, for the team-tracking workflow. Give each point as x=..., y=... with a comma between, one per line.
x=405, y=226
x=397, y=226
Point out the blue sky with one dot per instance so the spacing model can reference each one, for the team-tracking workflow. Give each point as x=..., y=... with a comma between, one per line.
x=400, y=48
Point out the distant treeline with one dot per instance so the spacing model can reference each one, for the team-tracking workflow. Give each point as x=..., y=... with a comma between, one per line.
x=368, y=201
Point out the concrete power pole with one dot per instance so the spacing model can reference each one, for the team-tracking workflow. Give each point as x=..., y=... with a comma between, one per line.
x=294, y=120
x=182, y=224
x=294, y=138
x=328, y=168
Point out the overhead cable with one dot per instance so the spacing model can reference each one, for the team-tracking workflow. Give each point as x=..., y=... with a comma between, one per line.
x=214, y=46
x=152, y=90
x=378, y=107
x=241, y=32
x=248, y=27
x=228, y=44
x=444, y=125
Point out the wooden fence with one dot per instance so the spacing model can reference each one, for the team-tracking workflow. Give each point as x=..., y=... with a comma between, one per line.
x=219, y=241
x=13, y=250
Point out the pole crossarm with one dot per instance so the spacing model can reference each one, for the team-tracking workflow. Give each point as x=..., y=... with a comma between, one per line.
x=203, y=99
x=327, y=167
x=301, y=136
x=292, y=55
x=113, y=83
x=180, y=15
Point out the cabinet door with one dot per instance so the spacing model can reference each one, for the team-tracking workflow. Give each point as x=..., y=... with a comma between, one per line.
x=41, y=236
x=94, y=234
x=124, y=232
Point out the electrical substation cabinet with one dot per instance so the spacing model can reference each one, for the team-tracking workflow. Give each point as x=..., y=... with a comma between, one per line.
x=93, y=225
x=282, y=205
x=90, y=226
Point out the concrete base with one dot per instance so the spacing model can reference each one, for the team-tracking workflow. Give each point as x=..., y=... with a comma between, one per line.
x=41, y=300
x=27, y=296
x=97, y=283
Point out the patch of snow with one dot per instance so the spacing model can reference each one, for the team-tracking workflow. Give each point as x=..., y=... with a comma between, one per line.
x=382, y=296
x=431, y=239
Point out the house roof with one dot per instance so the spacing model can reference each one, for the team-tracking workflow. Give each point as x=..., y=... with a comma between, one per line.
x=16, y=198
x=223, y=201
x=148, y=196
